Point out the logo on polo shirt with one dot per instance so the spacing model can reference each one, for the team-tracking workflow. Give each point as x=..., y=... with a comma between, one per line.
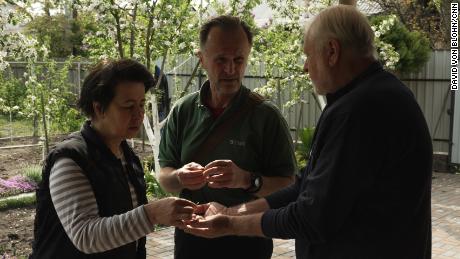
x=237, y=142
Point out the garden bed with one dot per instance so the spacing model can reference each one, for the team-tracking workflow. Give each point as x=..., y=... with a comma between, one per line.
x=16, y=231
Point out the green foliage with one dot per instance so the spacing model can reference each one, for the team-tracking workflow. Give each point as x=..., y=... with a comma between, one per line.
x=20, y=127
x=304, y=147
x=278, y=45
x=149, y=31
x=33, y=173
x=279, y=48
x=12, y=94
x=12, y=203
x=413, y=47
x=242, y=9
x=61, y=35
x=143, y=30
x=154, y=188
x=51, y=81
x=430, y=16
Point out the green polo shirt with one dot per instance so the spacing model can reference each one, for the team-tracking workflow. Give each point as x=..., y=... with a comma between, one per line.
x=258, y=142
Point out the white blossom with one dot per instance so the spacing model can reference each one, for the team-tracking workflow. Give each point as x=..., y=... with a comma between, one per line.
x=181, y=45
x=387, y=52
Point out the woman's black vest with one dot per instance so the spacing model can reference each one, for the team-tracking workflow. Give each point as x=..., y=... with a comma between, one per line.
x=110, y=186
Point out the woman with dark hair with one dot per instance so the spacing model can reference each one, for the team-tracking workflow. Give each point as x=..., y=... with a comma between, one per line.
x=92, y=200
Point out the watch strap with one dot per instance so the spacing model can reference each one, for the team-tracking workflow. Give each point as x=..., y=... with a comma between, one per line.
x=256, y=183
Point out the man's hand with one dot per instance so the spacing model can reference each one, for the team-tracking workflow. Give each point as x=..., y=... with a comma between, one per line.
x=210, y=227
x=170, y=211
x=191, y=176
x=225, y=225
x=226, y=174
x=210, y=209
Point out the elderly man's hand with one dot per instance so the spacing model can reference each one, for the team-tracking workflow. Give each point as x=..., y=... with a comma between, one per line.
x=210, y=227
x=170, y=211
x=191, y=176
x=210, y=209
x=226, y=174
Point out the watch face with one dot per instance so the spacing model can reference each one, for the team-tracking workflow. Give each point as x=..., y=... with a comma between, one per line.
x=257, y=182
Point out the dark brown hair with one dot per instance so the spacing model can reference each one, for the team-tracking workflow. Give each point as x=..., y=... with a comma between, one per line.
x=227, y=23
x=99, y=85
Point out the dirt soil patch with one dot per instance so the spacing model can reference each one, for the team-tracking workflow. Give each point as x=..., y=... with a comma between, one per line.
x=16, y=225
x=16, y=231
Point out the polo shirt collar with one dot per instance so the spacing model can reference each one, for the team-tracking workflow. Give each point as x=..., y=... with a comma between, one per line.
x=205, y=91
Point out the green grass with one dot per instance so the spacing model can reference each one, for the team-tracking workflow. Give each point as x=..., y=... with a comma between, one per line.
x=13, y=203
x=33, y=173
x=21, y=126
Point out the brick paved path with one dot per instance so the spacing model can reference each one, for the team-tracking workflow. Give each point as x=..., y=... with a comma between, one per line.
x=445, y=214
x=445, y=208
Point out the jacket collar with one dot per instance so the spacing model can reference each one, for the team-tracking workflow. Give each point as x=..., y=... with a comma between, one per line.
x=94, y=138
x=370, y=70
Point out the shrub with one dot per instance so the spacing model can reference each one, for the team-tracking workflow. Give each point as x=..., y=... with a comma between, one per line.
x=154, y=188
x=413, y=47
x=303, y=148
x=33, y=173
x=12, y=92
x=16, y=185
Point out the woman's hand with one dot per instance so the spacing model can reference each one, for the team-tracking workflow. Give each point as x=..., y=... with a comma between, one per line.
x=170, y=211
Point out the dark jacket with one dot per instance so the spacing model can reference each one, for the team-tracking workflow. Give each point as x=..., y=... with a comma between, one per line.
x=367, y=187
x=110, y=186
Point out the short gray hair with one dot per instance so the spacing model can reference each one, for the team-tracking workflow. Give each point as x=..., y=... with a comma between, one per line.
x=345, y=24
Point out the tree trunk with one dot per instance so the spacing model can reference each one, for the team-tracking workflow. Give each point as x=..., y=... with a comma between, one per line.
x=35, y=130
x=35, y=114
x=75, y=24
x=46, y=8
x=149, y=36
x=11, y=126
x=297, y=128
x=189, y=82
x=132, y=39
x=147, y=43
x=45, y=129
x=116, y=16
x=154, y=135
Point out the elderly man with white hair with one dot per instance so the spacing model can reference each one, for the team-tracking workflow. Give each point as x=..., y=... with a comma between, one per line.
x=366, y=190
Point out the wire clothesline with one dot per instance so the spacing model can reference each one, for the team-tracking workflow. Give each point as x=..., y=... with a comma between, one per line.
x=178, y=66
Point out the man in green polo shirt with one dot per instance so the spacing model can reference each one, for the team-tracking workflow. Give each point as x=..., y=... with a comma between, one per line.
x=225, y=143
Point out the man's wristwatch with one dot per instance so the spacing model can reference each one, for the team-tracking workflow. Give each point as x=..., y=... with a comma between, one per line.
x=256, y=183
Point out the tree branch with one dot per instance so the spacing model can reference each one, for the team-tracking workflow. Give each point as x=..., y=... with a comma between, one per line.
x=20, y=8
x=133, y=32
x=119, y=39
